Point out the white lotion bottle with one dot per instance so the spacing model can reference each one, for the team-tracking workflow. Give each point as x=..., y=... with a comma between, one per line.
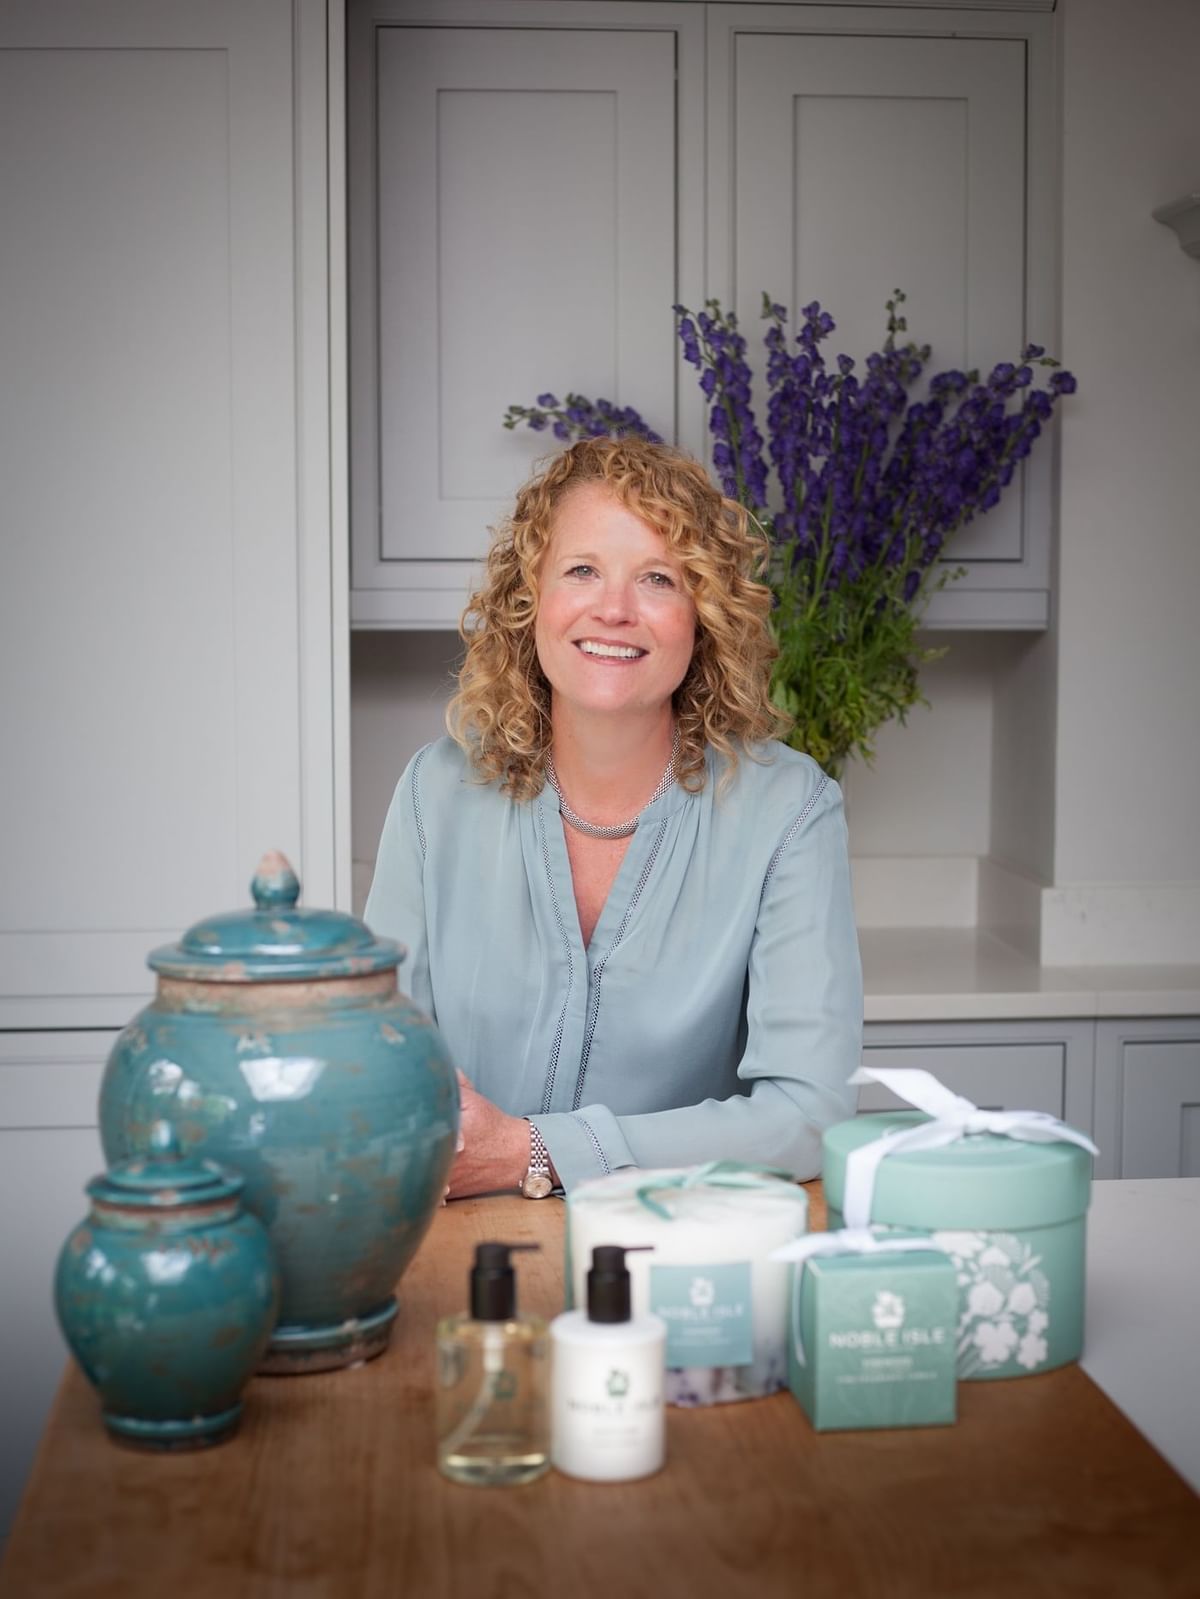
x=607, y=1421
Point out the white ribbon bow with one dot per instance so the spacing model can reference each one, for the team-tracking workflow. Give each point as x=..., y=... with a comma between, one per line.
x=953, y=1118
x=849, y=1241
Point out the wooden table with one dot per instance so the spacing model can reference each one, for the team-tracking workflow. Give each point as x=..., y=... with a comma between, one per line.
x=1043, y=1488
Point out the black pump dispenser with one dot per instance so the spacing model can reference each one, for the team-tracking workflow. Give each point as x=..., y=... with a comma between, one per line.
x=608, y=1282
x=494, y=1283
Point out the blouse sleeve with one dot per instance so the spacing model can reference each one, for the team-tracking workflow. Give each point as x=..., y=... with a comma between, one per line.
x=804, y=1016
x=396, y=904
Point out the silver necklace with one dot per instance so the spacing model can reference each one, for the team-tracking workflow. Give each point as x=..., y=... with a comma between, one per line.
x=618, y=829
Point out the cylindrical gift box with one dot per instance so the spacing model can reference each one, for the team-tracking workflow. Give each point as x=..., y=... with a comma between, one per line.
x=1012, y=1216
x=707, y=1272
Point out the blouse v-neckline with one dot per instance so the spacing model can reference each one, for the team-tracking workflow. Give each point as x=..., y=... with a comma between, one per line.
x=623, y=892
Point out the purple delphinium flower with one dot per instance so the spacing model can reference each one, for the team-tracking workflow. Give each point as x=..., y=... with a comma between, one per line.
x=870, y=485
x=712, y=343
x=580, y=418
x=867, y=479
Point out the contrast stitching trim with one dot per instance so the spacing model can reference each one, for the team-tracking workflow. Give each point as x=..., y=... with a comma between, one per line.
x=594, y=1003
x=600, y=1155
x=416, y=798
x=548, y=1090
x=795, y=828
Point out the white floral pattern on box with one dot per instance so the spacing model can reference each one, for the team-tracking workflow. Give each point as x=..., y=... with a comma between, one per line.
x=1005, y=1300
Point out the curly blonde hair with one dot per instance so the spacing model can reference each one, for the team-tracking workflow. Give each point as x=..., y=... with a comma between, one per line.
x=500, y=714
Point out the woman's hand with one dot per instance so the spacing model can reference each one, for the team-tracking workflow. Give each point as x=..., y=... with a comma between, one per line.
x=494, y=1147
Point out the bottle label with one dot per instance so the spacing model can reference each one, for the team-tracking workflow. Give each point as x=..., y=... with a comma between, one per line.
x=709, y=1313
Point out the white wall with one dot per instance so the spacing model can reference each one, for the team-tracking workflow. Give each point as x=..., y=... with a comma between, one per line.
x=927, y=792
x=399, y=685
x=1126, y=842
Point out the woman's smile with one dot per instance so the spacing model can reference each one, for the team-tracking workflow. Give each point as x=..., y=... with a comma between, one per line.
x=606, y=650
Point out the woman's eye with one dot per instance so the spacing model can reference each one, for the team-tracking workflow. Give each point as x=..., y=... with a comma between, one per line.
x=582, y=570
x=661, y=580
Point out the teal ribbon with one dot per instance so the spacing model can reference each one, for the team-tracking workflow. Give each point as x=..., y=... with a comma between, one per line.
x=717, y=1174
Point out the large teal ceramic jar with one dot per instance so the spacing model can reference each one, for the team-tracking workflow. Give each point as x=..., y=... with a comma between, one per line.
x=279, y=1044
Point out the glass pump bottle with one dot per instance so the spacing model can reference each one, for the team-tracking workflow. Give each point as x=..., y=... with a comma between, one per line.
x=493, y=1375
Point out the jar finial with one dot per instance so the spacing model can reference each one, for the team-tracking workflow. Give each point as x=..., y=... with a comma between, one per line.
x=275, y=885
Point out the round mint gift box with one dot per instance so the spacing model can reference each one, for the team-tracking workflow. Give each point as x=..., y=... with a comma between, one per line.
x=1012, y=1216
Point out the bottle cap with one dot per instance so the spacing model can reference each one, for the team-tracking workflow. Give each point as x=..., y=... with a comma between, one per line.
x=494, y=1283
x=608, y=1282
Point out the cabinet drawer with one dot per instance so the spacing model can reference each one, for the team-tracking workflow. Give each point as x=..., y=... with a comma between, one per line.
x=994, y=1076
x=42, y=1177
x=51, y=1079
x=49, y=1148
x=1160, y=1111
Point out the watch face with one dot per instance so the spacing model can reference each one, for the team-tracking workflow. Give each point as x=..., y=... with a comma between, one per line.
x=537, y=1185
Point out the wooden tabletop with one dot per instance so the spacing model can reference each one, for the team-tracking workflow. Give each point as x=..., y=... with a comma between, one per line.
x=1043, y=1488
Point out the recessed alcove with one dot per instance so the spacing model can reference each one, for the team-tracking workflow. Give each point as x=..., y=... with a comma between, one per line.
x=922, y=817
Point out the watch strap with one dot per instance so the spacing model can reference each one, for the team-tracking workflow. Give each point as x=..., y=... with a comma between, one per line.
x=537, y=1182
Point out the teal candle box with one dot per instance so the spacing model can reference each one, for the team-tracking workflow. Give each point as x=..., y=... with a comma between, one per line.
x=876, y=1345
x=1011, y=1215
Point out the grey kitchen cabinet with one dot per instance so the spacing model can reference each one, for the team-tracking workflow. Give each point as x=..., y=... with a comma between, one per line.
x=1010, y=1065
x=1148, y=1094
x=1132, y=1083
x=169, y=610
x=533, y=184
x=49, y=1148
x=165, y=617
x=524, y=211
x=851, y=154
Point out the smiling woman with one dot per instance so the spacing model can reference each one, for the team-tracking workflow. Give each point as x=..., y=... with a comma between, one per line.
x=627, y=907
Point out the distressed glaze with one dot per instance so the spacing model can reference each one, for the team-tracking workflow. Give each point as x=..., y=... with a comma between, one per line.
x=167, y=1294
x=331, y=1094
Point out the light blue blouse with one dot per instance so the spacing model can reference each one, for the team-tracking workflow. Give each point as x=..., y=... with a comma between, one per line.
x=717, y=1011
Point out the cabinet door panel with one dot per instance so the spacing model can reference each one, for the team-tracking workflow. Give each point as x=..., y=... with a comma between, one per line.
x=526, y=241
x=863, y=164
x=149, y=586
x=993, y=1076
x=42, y=1175
x=49, y=1148
x=1160, y=1130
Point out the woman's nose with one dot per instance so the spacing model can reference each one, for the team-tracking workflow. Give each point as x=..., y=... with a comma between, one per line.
x=615, y=601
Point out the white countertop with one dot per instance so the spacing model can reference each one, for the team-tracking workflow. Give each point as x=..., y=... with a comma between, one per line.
x=924, y=974
x=1143, y=1309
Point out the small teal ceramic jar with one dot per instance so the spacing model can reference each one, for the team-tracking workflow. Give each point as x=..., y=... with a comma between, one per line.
x=166, y=1295
x=279, y=1044
x=1012, y=1216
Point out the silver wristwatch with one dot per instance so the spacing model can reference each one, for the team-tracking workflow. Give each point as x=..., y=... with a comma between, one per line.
x=537, y=1182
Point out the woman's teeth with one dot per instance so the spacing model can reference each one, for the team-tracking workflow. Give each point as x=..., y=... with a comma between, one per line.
x=612, y=652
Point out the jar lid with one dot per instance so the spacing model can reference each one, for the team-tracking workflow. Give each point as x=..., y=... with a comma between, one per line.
x=164, y=1177
x=981, y=1181
x=276, y=941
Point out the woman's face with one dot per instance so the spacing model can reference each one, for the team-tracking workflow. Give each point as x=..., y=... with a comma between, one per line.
x=615, y=625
